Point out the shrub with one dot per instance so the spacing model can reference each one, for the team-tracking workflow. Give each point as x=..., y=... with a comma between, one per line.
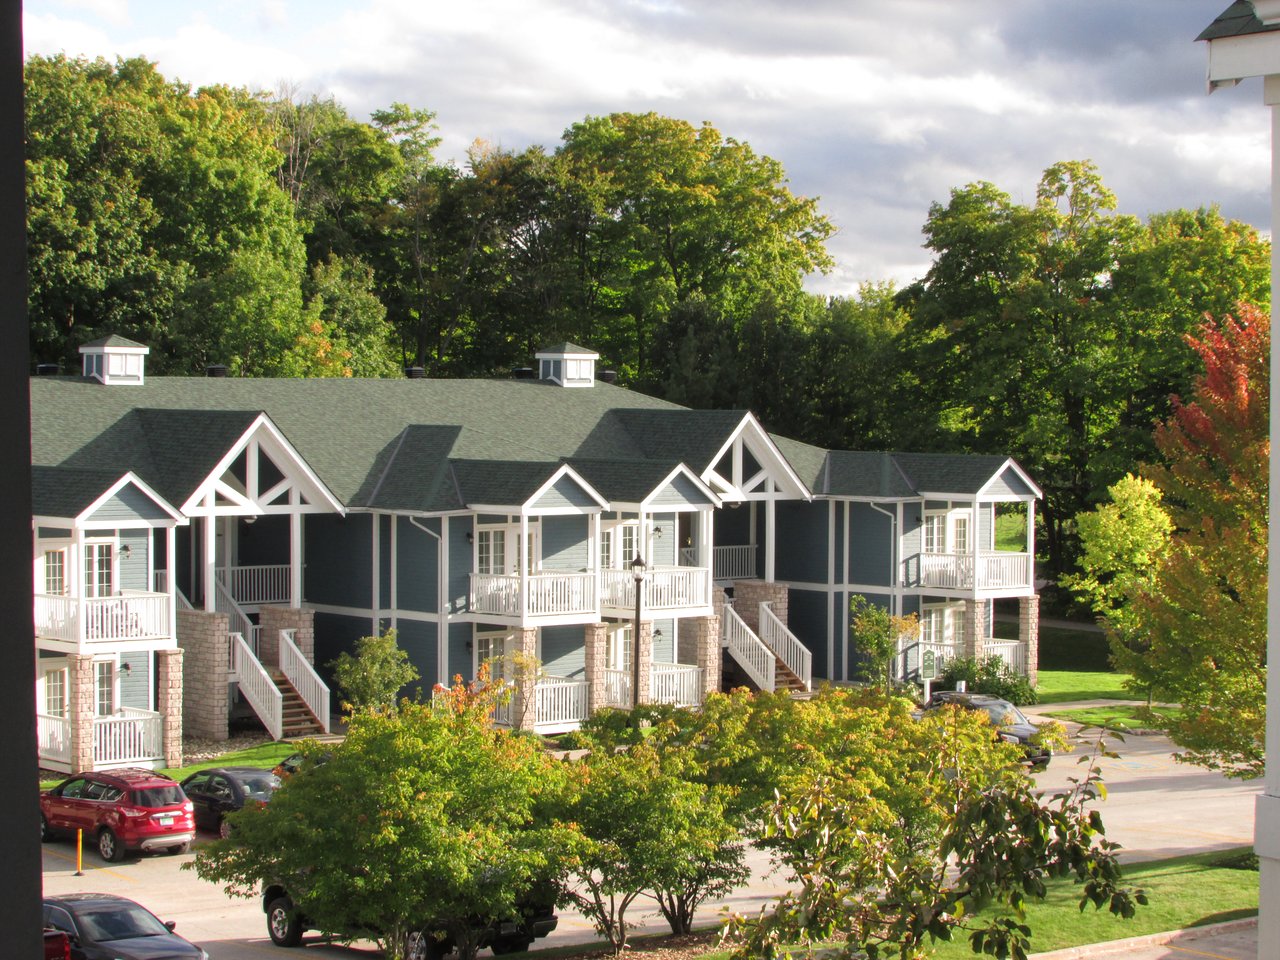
x=989, y=675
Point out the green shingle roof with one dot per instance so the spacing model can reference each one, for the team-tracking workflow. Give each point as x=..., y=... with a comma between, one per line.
x=624, y=481
x=571, y=349
x=114, y=340
x=1237, y=20
x=66, y=492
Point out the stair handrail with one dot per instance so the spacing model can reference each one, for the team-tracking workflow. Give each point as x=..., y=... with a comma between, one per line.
x=778, y=638
x=313, y=691
x=257, y=686
x=746, y=648
x=237, y=620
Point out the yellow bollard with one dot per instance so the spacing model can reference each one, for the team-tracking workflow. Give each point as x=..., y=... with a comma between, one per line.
x=79, y=853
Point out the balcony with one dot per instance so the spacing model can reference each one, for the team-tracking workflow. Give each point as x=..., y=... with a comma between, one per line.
x=734, y=562
x=997, y=571
x=129, y=738
x=563, y=596
x=250, y=586
x=673, y=590
x=130, y=615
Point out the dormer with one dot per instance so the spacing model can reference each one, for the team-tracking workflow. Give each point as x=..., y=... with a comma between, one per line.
x=115, y=360
x=567, y=365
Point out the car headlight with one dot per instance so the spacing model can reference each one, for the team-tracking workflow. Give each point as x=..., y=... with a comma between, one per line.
x=1008, y=738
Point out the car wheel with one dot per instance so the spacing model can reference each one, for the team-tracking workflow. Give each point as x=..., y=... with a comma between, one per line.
x=109, y=846
x=421, y=945
x=283, y=925
x=512, y=944
x=180, y=848
x=45, y=833
x=224, y=828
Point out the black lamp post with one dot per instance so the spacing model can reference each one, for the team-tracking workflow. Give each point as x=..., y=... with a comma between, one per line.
x=637, y=571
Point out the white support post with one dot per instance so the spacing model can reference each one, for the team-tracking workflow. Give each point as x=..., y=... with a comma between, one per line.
x=375, y=604
x=251, y=470
x=210, y=556
x=770, y=529
x=522, y=565
x=171, y=561
x=594, y=527
x=295, y=550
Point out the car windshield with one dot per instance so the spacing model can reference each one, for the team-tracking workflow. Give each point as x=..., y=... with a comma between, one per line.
x=1003, y=714
x=259, y=786
x=118, y=922
x=159, y=796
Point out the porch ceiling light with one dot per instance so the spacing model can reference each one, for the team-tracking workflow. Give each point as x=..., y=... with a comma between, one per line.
x=638, y=568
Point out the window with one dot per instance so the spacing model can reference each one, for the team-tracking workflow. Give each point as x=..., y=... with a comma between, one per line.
x=104, y=673
x=932, y=625
x=959, y=534
x=619, y=545
x=55, y=693
x=606, y=549
x=55, y=572
x=935, y=533
x=958, y=622
x=493, y=647
x=491, y=551
x=99, y=575
x=618, y=654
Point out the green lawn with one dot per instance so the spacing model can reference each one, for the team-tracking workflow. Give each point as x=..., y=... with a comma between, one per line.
x=265, y=755
x=1062, y=686
x=1120, y=717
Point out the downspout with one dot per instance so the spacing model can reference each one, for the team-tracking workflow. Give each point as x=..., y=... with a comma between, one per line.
x=442, y=586
x=894, y=586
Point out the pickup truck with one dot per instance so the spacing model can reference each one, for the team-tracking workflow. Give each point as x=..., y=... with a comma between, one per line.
x=286, y=925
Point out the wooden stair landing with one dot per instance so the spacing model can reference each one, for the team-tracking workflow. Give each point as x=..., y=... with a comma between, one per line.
x=297, y=719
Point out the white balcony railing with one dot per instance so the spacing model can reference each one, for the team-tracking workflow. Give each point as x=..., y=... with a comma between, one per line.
x=257, y=686
x=733, y=562
x=130, y=615
x=677, y=683
x=263, y=583
x=906, y=662
x=560, y=703
x=131, y=736
x=1012, y=652
x=997, y=570
x=300, y=673
x=53, y=738
x=665, y=588
x=550, y=594
x=617, y=689
x=745, y=647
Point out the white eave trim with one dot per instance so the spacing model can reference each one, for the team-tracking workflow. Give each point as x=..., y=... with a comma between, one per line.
x=799, y=487
x=1232, y=59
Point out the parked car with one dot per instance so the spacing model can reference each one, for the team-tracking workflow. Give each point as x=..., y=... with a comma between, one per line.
x=293, y=763
x=102, y=926
x=1011, y=724
x=221, y=790
x=120, y=810
x=286, y=924
x=57, y=945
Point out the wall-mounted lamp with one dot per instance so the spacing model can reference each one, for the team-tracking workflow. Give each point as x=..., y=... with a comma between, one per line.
x=471, y=537
x=468, y=646
x=126, y=669
x=126, y=552
x=657, y=533
x=251, y=518
x=657, y=634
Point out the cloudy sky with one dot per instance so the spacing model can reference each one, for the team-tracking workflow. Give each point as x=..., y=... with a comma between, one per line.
x=878, y=107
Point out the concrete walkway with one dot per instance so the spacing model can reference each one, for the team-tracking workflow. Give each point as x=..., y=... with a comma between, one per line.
x=1235, y=940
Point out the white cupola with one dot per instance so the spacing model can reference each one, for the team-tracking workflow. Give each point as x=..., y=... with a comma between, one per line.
x=115, y=360
x=567, y=364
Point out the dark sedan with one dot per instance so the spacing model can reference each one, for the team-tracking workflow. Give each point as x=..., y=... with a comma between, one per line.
x=102, y=926
x=1011, y=724
x=221, y=790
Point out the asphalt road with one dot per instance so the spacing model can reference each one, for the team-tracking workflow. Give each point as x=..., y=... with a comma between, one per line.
x=1155, y=808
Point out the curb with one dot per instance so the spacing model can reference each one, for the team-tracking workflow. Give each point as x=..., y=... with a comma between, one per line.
x=1113, y=947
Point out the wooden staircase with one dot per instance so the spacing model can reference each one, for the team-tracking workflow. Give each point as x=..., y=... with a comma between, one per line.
x=733, y=676
x=298, y=720
x=784, y=679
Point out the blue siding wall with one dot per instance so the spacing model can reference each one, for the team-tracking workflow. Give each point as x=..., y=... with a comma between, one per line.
x=664, y=544
x=986, y=526
x=459, y=655
x=129, y=504
x=135, y=689
x=417, y=580
x=418, y=640
x=853, y=656
x=564, y=542
x=870, y=545
x=807, y=619
x=802, y=541
x=563, y=651
x=133, y=569
x=1009, y=484
x=336, y=634
x=912, y=541
x=459, y=568
x=384, y=561
x=565, y=492
x=339, y=560
x=733, y=526
x=664, y=647
x=265, y=541
x=680, y=492
x=54, y=533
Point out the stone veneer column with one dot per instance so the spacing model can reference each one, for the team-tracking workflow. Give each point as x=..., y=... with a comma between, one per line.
x=749, y=594
x=298, y=619
x=81, y=710
x=708, y=647
x=975, y=628
x=203, y=638
x=596, y=641
x=169, y=704
x=1029, y=633
x=524, y=707
x=644, y=653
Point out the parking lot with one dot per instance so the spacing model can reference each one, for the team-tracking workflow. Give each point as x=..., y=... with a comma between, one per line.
x=1155, y=808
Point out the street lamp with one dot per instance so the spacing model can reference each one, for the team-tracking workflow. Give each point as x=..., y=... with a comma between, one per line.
x=637, y=571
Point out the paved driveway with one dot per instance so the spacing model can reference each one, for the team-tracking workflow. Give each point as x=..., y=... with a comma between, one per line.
x=1155, y=808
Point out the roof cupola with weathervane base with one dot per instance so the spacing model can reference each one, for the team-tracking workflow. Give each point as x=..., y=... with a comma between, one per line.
x=115, y=360
x=567, y=364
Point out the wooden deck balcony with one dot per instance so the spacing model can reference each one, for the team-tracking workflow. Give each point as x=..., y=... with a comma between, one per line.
x=130, y=615
x=990, y=571
x=551, y=595
x=673, y=590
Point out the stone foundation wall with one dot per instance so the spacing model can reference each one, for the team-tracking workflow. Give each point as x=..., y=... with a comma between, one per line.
x=644, y=653
x=749, y=594
x=709, y=652
x=81, y=709
x=524, y=704
x=1029, y=633
x=202, y=636
x=975, y=628
x=596, y=652
x=169, y=704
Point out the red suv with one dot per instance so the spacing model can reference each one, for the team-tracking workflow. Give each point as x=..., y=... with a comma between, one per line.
x=127, y=809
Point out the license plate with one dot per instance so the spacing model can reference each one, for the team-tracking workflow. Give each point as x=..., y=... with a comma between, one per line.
x=165, y=821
